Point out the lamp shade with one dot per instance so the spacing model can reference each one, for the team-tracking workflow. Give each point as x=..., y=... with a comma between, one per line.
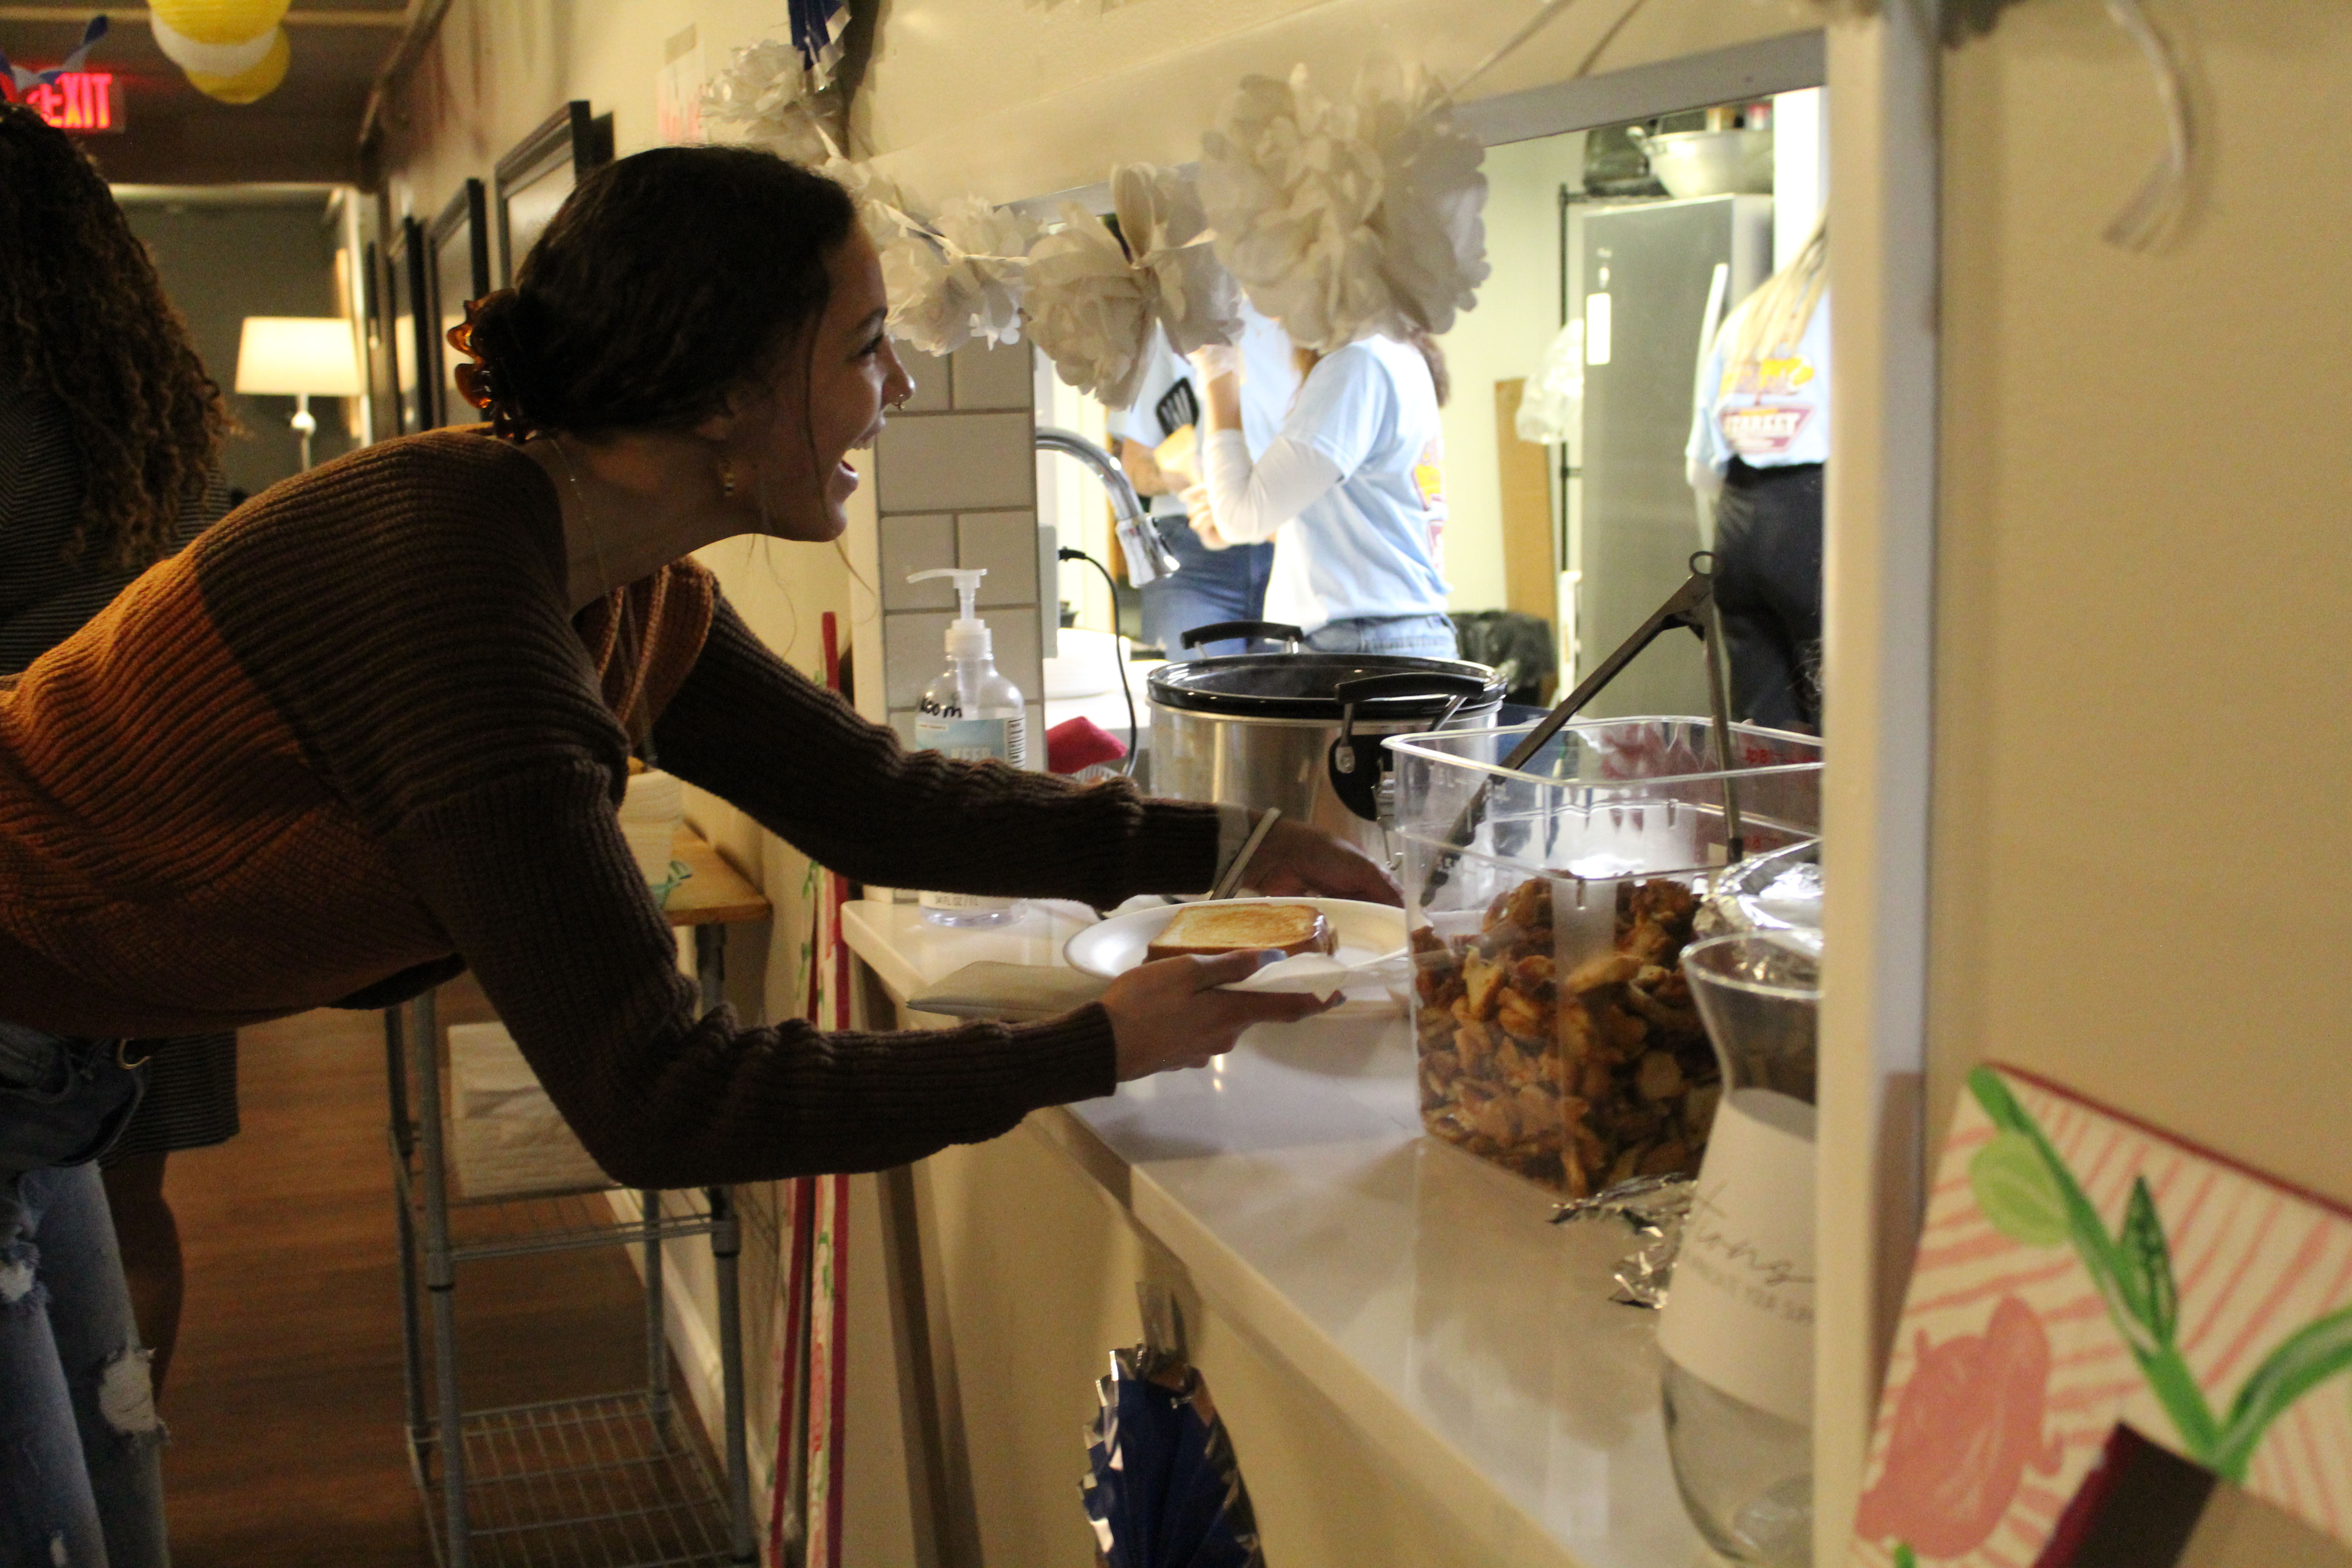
x=283, y=355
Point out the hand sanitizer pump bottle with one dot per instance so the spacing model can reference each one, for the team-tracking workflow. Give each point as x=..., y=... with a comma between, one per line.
x=974, y=714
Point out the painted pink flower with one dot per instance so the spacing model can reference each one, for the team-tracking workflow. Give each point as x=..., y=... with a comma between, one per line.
x=1968, y=1424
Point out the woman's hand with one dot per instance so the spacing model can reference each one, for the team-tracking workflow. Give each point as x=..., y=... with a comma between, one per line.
x=1179, y=457
x=1203, y=520
x=1171, y=1014
x=1219, y=369
x=1297, y=858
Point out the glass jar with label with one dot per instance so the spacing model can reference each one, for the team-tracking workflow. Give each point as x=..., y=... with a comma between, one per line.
x=1737, y=1328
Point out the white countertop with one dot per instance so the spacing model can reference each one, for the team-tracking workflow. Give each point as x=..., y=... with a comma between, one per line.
x=1420, y=1290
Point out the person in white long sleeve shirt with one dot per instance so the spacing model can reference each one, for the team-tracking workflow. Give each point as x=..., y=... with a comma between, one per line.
x=1348, y=492
x=1214, y=585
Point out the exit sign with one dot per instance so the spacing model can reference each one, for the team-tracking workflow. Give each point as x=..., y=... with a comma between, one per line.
x=85, y=102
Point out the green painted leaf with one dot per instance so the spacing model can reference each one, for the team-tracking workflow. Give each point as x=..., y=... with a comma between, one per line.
x=2303, y=1360
x=2147, y=1265
x=1905, y=1557
x=2014, y=1188
x=1998, y=1102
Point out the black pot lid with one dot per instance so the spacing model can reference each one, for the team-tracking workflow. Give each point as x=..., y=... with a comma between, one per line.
x=1300, y=686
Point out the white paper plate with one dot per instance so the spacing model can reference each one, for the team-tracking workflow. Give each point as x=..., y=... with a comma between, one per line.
x=1365, y=931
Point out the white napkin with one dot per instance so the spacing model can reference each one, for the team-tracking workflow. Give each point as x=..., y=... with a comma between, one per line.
x=508, y=1138
x=1326, y=975
x=650, y=814
x=1024, y=992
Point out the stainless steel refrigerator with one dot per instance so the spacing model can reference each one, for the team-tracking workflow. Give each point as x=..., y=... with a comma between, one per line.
x=1643, y=275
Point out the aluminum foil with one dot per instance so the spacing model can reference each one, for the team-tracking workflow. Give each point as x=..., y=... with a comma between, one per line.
x=1654, y=1209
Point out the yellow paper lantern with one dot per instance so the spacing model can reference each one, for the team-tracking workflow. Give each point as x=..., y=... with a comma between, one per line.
x=255, y=82
x=221, y=21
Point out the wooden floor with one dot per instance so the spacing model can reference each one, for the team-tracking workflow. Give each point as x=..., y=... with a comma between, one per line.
x=285, y=1402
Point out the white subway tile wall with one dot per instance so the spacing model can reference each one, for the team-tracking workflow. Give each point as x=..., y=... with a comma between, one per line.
x=917, y=542
x=933, y=383
x=1004, y=544
x=989, y=377
x=955, y=461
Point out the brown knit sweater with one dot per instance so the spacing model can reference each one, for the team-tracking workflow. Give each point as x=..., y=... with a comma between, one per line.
x=351, y=740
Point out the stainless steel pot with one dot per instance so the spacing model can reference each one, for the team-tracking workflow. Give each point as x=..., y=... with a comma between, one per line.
x=1711, y=162
x=1301, y=730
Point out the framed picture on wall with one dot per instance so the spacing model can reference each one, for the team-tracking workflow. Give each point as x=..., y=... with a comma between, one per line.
x=376, y=320
x=540, y=171
x=461, y=243
x=414, y=364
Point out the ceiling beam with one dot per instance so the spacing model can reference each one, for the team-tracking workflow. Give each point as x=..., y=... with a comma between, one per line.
x=423, y=19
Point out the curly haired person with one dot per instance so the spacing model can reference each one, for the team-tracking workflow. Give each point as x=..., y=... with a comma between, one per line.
x=109, y=438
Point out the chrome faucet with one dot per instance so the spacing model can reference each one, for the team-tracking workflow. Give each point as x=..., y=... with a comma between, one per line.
x=1148, y=559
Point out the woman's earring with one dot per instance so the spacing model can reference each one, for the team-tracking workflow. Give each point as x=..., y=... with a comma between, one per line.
x=726, y=477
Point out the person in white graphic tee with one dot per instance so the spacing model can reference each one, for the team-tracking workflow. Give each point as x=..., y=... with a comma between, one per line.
x=1165, y=421
x=1760, y=438
x=1350, y=492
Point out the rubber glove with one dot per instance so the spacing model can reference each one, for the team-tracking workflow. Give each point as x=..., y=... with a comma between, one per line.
x=1214, y=360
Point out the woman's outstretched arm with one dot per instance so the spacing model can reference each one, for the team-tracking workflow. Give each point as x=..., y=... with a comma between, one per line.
x=750, y=729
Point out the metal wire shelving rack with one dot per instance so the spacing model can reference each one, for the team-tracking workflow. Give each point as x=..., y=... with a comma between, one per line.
x=603, y=1479
x=612, y=1480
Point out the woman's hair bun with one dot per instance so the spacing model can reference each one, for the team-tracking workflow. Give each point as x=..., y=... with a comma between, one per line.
x=495, y=381
x=665, y=281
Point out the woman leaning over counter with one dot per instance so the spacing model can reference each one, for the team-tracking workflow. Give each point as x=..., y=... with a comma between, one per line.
x=371, y=729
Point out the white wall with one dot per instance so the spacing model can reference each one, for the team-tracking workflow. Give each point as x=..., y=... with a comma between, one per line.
x=1517, y=313
x=1012, y=99
x=1801, y=169
x=2141, y=678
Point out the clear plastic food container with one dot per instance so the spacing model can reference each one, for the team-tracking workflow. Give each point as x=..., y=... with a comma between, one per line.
x=1549, y=905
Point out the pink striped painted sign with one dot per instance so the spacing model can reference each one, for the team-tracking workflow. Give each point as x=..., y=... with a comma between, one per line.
x=2080, y=1272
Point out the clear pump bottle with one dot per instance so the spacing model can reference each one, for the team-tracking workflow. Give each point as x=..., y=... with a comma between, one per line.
x=973, y=713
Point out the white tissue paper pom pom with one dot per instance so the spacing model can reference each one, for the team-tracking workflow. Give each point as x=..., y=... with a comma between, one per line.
x=765, y=93
x=921, y=313
x=1086, y=308
x=960, y=280
x=989, y=249
x=1193, y=298
x=1344, y=219
x=881, y=206
x=1093, y=301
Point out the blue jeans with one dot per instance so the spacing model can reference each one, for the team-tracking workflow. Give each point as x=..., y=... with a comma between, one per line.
x=81, y=1469
x=1214, y=585
x=1424, y=636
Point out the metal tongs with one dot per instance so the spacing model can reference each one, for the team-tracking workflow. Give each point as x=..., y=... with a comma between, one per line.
x=1691, y=606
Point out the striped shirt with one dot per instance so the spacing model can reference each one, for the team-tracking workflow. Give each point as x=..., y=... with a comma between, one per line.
x=353, y=739
x=46, y=597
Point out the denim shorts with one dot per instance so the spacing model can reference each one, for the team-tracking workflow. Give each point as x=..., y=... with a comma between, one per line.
x=1422, y=636
x=63, y=1101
